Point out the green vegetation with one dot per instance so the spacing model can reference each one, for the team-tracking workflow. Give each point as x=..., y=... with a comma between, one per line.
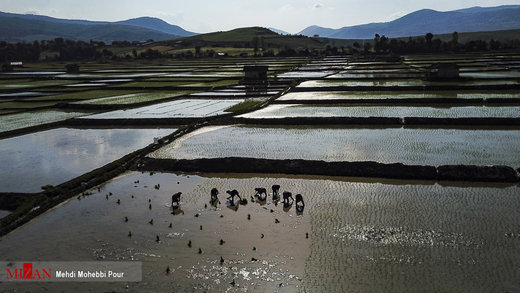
x=27, y=106
x=195, y=82
x=237, y=35
x=250, y=41
x=244, y=106
x=31, y=84
x=217, y=83
x=153, y=84
x=428, y=43
x=3, y=112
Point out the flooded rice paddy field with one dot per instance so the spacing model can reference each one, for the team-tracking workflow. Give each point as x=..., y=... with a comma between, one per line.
x=34, y=118
x=305, y=74
x=4, y=213
x=334, y=95
x=14, y=96
x=383, y=75
x=25, y=84
x=331, y=82
x=444, y=111
x=87, y=85
x=353, y=236
x=134, y=98
x=195, y=82
x=492, y=74
x=400, y=82
x=3, y=112
x=412, y=146
x=184, y=108
x=58, y=155
x=23, y=106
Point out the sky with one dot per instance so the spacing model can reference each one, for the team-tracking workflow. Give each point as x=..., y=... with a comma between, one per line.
x=203, y=16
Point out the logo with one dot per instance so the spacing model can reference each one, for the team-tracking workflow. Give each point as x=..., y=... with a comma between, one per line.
x=27, y=272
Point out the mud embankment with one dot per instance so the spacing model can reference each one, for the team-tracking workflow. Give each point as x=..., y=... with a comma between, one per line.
x=346, y=169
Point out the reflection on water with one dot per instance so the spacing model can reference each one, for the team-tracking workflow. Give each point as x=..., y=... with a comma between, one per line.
x=55, y=156
x=390, y=145
x=185, y=108
x=297, y=110
x=398, y=95
x=33, y=118
x=401, y=82
x=305, y=74
x=4, y=213
x=352, y=237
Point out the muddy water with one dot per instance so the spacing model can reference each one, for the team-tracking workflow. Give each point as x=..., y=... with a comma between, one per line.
x=55, y=156
x=295, y=110
x=412, y=146
x=389, y=236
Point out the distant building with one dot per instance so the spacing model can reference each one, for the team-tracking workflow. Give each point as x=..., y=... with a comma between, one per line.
x=255, y=72
x=443, y=71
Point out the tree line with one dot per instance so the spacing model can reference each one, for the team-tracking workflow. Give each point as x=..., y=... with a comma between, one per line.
x=60, y=49
x=427, y=44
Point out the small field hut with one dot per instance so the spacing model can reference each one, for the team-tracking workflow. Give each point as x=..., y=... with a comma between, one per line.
x=255, y=73
x=443, y=71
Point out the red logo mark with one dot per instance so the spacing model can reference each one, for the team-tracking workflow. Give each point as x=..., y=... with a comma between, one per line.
x=27, y=272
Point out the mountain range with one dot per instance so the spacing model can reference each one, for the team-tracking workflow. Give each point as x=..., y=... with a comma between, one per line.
x=425, y=21
x=28, y=27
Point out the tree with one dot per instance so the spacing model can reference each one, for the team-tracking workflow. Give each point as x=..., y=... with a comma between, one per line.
x=366, y=47
x=383, y=44
x=256, y=44
x=377, y=39
x=428, y=37
x=455, y=38
x=494, y=45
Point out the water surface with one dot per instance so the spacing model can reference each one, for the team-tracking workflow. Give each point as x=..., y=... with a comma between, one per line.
x=55, y=156
x=456, y=111
x=413, y=146
x=185, y=108
x=363, y=236
x=4, y=213
x=398, y=95
x=34, y=118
